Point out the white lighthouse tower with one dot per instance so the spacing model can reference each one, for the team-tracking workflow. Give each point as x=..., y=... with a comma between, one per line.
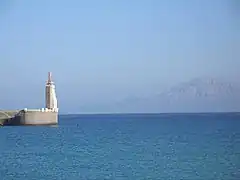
x=51, y=98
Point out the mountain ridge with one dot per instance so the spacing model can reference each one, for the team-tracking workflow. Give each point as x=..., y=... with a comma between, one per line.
x=196, y=95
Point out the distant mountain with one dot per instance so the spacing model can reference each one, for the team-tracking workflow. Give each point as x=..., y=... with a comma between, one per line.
x=197, y=95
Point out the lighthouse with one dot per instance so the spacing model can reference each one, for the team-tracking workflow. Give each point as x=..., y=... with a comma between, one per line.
x=51, y=98
x=47, y=115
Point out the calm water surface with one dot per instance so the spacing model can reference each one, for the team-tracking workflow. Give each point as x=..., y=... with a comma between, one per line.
x=132, y=147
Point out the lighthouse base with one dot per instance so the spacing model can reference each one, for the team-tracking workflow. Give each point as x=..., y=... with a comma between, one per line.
x=33, y=117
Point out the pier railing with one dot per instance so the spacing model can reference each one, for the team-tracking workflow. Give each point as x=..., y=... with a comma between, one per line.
x=40, y=110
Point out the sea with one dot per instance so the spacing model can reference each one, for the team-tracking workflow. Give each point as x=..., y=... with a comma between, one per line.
x=124, y=147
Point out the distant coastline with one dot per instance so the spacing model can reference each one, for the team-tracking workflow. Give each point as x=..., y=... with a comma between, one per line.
x=164, y=113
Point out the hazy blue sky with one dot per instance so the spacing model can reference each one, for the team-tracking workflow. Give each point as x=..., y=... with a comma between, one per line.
x=103, y=51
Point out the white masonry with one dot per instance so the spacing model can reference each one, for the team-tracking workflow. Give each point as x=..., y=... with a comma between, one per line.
x=51, y=98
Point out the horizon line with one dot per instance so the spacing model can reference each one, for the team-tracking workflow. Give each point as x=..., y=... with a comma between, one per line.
x=153, y=113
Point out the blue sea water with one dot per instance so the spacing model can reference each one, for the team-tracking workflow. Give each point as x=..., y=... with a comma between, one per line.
x=132, y=147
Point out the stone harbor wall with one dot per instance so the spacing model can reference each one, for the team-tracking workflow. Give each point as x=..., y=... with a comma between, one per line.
x=30, y=117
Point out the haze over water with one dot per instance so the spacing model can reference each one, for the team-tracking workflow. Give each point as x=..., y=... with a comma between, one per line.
x=119, y=147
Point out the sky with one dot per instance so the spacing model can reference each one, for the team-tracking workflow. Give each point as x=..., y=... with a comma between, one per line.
x=104, y=51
